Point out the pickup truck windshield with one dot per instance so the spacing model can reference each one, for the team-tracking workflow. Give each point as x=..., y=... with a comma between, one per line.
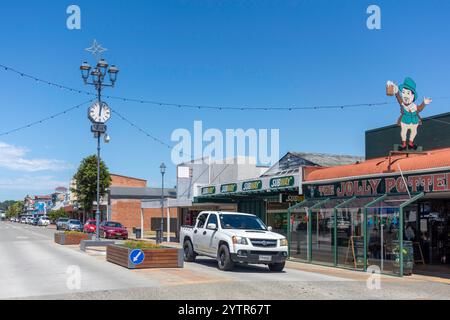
x=239, y=221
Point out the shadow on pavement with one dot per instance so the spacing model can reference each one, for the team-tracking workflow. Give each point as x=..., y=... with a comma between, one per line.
x=238, y=267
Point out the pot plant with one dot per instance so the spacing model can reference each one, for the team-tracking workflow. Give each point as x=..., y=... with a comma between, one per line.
x=408, y=257
x=144, y=255
x=70, y=237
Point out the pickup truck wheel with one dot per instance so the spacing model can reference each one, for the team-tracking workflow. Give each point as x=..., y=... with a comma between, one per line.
x=277, y=267
x=189, y=255
x=224, y=259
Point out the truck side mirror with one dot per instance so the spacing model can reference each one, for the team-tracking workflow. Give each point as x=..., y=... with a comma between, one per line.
x=212, y=226
x=269, y=229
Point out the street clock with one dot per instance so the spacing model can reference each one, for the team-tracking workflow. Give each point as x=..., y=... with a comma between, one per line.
x=99, y=113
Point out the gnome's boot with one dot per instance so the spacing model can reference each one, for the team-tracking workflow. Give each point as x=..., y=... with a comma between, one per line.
x=412, y=146
x=403, y=146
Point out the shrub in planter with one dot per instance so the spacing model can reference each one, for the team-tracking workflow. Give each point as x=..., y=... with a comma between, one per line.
x=150, y=255
x=70, y=237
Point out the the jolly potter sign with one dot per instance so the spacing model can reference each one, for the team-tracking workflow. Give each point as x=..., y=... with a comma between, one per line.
x=433, y=182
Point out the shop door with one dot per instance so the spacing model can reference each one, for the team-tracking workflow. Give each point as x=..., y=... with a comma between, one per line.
x=322, y=230
x=382, y=239
x=299, y=235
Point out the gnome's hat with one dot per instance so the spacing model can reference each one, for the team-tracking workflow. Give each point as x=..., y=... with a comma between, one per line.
x=410, y=85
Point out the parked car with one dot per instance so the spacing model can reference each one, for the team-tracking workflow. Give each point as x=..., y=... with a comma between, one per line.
x=233, y=237
x=23, y=220
x=61, y=223
x=113, y=230
x=34, y=221
x=90, y=226
x=30, y=220
x=74, y=225
x=43, y=221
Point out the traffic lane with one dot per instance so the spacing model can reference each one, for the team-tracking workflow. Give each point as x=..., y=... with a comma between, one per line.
x=32, y=265
x=36, y=231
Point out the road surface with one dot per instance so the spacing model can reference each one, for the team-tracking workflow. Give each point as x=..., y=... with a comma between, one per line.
x=33, y=266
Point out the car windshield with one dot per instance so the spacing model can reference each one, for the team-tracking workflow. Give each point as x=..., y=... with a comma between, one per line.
x=63, y=219
x=92, y=223
x=74, y=222
x=240, y=221
x=113, y=224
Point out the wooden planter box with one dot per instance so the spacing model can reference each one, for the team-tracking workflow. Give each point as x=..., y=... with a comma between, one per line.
x=67, y=239
x=154, y=258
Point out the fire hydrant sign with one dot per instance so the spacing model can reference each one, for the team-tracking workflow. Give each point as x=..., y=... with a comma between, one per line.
x=137, y=256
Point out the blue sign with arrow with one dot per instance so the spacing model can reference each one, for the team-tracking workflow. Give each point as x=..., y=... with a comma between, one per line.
x=137, y=256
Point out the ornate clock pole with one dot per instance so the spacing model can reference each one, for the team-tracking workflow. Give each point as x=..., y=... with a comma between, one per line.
x=99, y=113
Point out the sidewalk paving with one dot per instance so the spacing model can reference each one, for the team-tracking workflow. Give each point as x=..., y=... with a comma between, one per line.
x=325, y=270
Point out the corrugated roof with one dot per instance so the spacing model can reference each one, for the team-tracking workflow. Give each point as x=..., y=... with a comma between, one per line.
x=412, y=162
x=328, y=160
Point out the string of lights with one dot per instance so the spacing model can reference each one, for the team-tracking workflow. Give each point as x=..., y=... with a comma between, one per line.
x=53, y=116
x=191, y=106
x=132, y=124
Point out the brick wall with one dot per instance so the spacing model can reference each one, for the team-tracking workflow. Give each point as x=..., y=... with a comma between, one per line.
x=122, y=181
x=128, y=212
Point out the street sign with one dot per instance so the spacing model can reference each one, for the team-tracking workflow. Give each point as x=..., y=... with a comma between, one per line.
x=137, y=256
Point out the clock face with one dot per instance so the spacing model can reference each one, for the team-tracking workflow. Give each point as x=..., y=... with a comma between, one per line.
x=99, y=114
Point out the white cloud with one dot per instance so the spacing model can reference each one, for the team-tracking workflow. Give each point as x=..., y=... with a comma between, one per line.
x=31, y=183
x=13, y=158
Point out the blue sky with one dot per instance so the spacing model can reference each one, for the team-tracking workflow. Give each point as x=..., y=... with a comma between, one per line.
x=239, y=53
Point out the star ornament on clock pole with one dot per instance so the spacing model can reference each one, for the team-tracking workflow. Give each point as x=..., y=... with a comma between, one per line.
x=96, y=48
x=99, y=113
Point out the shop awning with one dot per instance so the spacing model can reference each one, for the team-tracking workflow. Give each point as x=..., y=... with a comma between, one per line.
x=306, y=204
x=394, y=201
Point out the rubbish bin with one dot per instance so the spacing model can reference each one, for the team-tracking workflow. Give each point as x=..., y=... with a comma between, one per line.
x=137, y=232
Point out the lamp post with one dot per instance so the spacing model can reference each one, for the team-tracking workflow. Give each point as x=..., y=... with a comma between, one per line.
x=163, y=171
x=99, y=113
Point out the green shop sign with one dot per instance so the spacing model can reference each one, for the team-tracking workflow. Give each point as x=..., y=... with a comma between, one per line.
x=208, y=190
x=252, y=185
x=228, y=188
x=282, y=182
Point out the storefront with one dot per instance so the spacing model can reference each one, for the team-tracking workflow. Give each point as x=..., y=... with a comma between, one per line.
x=376, y=215
x=267, y=197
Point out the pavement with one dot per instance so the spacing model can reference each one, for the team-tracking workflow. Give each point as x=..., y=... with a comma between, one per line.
x=34, y=267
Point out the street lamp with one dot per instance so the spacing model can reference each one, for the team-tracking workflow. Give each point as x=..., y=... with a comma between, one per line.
x=163, y=171
x=99, y=113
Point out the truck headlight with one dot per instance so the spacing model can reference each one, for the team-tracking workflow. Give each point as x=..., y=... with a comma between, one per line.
x=283, y=242
x=239, y=240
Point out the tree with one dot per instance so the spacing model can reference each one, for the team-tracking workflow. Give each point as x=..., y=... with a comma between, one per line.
x=5, y=204
x=14, y=210
x=56, y=214
x=86, y=181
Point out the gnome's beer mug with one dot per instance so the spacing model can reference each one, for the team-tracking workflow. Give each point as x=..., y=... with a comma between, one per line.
x=390, y=88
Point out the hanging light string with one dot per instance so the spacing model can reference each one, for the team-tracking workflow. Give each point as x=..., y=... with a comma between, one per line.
x=53, y=116
x=191, y=106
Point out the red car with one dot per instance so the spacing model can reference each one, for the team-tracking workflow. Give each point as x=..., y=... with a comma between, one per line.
x=90, y=226
x=113, y=230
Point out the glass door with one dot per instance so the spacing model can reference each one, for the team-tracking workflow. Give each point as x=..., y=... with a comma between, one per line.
x=322, y=236
x=299, y=235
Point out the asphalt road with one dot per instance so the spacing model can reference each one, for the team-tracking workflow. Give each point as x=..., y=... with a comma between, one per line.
x=32, y=266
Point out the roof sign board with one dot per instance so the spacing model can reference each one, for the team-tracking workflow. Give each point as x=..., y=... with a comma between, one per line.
x=282, y=182
x=208, y=190
x=252, y=185
x=228, y=188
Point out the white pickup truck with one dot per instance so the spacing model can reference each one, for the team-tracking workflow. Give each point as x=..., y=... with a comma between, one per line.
x=232, y=237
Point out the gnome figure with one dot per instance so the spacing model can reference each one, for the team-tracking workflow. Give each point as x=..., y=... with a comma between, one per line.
x=409, y=120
